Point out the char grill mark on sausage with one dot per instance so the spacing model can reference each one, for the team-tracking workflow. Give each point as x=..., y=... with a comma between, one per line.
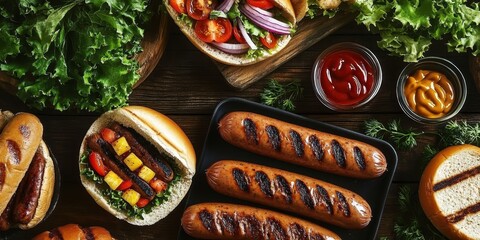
x=325, y=198
x=26, y=131
x=228, y=223
x=264, y=182
x=252, y=226
x=97, y=144
x=250, y=131
x=273, y=228
x=3, y=175
x=241, y=179
x=274, y=137
x=284, y=187
x=297, y=143
x=297, y=232
x=14, y=152
x=303, y=190
x=314, y=144
x=342, y=204
x=338, y=154
x=55, y=234
x=359, y=159
x=88, y=233
x=28, y=193
x=143, y=149
x=207, y=220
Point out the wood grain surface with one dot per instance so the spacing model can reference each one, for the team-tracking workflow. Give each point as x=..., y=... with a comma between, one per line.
x=186, y=85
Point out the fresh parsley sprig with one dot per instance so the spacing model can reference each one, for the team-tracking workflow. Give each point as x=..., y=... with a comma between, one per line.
x=404, y=138
x=460, y=132
x=281, y=95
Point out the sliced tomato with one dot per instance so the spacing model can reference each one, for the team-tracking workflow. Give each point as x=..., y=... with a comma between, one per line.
x=96, y=162
x=238, y=35
x=142, y=202
x=126, y=184
x=178, y=5
x=199, y=9
x=218, y=30
x=158, y=185
x=108, y=135
x=263, y=4
x=269, y=41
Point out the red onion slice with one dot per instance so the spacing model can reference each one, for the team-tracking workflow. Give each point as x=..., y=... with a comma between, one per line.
x=225, y=6
x=261, y=11
x=233, y=48
x=268, y=23
x=245, y=35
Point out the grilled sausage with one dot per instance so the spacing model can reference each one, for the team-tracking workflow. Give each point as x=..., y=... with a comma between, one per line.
x=28, y=192
x=161, y=168
x=299, y=145
x=74, y=232
x=291, y=192
x=5, y=218
x=231, y=221
x=97, y=144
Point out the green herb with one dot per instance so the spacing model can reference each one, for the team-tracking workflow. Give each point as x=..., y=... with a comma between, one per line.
x=407, y=27
x=404, y=139
x=280, y=95
x=186, y=19
x=217, y=14
x=460, y=132
x=428, y=153
x=72, y=54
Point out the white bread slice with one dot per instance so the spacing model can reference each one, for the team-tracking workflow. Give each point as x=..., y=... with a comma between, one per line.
x=449, y=192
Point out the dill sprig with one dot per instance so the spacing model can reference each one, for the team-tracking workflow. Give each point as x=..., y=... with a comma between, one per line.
x=404, y=139
x=280, y=95
x=460, y=132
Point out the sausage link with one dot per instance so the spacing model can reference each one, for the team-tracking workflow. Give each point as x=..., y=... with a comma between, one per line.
x=161, y=168
x=231, y=221
x=5, y=217
x=97, y=144
x=299, y=145
x=291, y=192
x=28, y=192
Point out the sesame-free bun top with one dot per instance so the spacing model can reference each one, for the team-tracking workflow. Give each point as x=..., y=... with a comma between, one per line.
x=233, y=59
x=449, y=192
x=167, y=137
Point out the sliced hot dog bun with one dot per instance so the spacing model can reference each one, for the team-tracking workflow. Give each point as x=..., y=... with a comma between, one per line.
x=449, y=192
x=167, y=137
x=74, y=232
x=46, y=193
x=19, y=141
x=233, y=59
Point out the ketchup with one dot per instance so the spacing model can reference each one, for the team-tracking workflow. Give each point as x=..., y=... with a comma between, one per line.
x=346, y=77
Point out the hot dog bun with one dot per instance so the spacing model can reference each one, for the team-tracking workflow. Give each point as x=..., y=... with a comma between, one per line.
x=449, y=193
x=167, y=137
x=75, y=232
x=285, y=7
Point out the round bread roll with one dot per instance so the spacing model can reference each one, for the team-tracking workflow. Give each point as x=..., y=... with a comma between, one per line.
x=75, y=232
x=449, y=192
x=167, y=137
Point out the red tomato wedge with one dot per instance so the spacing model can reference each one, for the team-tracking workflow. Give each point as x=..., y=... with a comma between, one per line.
x=218, y=30
x=269, y=41
x=108, y=135
x=199, y=9
x=126, y=184
x=178, y=5
x=158, y=185
x=238, y=35
x=263, y=4
x=142, y=202
x=96, y=162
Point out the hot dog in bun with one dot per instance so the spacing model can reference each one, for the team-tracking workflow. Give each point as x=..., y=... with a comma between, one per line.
x=235, y=32
x=449, y=192
x=75, y=232
x=27, y=174
x=137, y=164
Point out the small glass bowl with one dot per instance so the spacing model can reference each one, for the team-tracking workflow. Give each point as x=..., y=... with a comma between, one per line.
x=440, y=65
x=366, y=54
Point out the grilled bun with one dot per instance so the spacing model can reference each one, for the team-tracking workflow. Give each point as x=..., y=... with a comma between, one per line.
x=449, y=192
x=75, y=232
x=167, y=137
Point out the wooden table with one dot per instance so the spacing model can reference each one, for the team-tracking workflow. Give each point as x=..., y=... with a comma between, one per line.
x=186, y=86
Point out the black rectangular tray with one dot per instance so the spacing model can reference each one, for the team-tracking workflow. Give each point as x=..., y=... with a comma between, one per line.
x=374, y=191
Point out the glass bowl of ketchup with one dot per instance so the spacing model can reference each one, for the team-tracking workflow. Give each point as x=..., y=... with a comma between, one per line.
x=432, y=90
x=346, y=76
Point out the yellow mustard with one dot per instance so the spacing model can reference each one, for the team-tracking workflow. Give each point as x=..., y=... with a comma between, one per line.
x=429, y=94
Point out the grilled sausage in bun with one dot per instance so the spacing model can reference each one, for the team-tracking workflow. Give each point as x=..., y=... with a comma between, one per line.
x=75, y=232
x=27, y=174
x=137, y=164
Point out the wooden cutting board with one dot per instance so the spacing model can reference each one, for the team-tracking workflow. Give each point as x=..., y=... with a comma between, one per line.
x=308, y=33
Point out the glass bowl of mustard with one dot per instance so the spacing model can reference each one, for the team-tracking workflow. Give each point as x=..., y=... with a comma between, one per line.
x=346, y=76
x=432, y=90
